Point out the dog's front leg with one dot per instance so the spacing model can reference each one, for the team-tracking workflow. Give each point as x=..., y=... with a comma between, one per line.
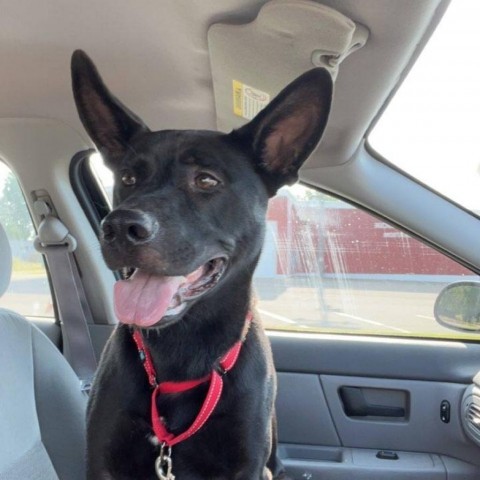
x=274, y=464
x=282, y=476
x=279, y=475
x=267, y=474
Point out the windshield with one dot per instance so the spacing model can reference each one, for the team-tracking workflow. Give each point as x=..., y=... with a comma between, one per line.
x=431, y=128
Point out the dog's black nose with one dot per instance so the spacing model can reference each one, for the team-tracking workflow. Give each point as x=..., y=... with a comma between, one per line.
x=132, y=226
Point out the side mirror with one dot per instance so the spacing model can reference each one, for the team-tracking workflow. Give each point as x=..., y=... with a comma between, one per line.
x=458, y=306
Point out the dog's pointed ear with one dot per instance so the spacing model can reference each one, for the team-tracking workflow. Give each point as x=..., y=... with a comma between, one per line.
x=110, y=124
x=285, y=133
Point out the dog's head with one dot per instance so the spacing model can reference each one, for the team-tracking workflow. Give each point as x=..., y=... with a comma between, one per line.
x=189, y=206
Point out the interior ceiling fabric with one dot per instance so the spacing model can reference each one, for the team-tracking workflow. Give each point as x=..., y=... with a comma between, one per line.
x=154, y=56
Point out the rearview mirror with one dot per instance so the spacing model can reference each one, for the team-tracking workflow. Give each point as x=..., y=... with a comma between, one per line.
x=458, y=306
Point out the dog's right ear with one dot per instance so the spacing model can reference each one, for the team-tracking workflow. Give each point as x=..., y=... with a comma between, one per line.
x=285, y=132
x=110, y=124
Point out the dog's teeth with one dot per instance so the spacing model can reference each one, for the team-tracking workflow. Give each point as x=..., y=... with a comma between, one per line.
x=175, y=302
x=127, y=272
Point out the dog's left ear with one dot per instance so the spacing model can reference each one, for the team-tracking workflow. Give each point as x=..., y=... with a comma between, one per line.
x=110, y=124
x=285, y=133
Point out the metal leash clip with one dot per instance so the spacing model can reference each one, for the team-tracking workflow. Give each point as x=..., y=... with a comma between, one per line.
x=163, y=464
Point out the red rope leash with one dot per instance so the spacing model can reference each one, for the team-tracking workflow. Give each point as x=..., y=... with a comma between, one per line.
x=211, y=400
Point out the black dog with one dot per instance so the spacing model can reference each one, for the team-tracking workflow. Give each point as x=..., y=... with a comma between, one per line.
x=187, y=228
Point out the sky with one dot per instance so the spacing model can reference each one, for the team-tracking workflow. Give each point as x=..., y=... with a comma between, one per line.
x=431, y=128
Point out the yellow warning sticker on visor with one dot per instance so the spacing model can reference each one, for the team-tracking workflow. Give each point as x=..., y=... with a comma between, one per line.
x=248, y=101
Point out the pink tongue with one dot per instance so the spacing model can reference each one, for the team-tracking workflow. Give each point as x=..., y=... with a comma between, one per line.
x=143, y=299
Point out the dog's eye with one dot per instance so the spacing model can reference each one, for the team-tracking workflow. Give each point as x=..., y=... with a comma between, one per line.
x=205, y=181
x=129, y=179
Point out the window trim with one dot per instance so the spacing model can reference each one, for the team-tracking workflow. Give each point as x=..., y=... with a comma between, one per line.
x=87, y=189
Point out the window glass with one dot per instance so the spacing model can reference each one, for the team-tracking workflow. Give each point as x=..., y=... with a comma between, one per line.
x=329, y=267
x=430, y=127
x=103, y=175
x=29, y=291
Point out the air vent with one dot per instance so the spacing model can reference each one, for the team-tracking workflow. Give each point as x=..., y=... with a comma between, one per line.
x=471, y=413
x=473, y=417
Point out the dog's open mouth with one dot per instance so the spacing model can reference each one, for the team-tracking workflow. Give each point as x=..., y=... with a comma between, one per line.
x=143, y=298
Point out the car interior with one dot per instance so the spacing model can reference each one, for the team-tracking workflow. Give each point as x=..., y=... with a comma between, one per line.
x=368, y=283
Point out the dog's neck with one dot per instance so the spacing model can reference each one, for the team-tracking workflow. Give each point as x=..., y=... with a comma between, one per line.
x=190, y=347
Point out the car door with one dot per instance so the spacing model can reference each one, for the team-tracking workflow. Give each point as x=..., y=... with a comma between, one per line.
x=370, y=385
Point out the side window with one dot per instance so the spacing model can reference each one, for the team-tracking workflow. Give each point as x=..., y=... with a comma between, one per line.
x=29, y=291
x=329, y=267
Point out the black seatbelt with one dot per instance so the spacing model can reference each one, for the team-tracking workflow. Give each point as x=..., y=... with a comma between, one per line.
x=57, y=244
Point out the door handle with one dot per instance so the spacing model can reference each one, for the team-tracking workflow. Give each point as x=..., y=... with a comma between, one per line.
x=356, y=405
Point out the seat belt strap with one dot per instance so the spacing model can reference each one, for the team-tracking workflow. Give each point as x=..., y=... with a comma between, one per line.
x=57, y=244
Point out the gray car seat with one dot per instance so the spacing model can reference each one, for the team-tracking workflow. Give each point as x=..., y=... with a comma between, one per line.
x=42, y=410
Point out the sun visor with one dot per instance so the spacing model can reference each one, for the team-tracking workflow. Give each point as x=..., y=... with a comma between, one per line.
x=251, y=63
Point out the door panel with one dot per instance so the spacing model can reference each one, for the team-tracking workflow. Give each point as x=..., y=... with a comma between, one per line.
x=401, y=384
x=421, y=430
x=396, y=358
x=298, y=394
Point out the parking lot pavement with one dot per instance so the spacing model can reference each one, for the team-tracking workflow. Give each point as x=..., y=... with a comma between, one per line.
x=357, y=306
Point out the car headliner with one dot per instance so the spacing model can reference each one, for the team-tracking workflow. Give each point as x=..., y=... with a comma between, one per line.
x=154, y=56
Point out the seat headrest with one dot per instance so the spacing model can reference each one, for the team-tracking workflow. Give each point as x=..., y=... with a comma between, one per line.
x=5, y=261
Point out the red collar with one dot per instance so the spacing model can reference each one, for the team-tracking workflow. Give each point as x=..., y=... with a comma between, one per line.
x=211, y=400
